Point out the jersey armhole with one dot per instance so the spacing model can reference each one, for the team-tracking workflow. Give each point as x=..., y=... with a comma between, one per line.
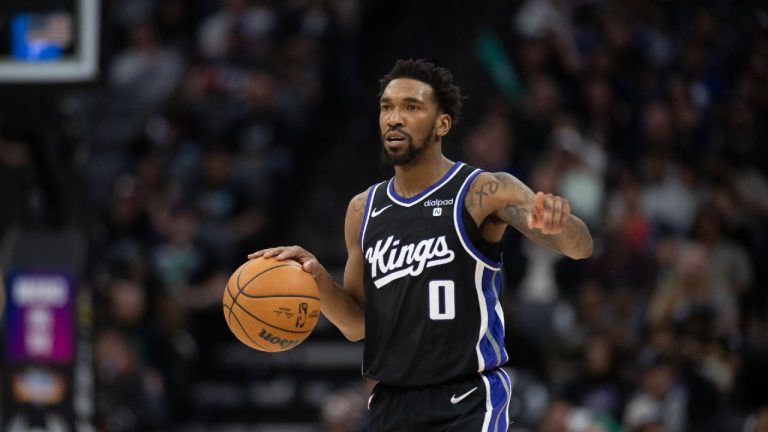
x=458, y=216
x=368, y=204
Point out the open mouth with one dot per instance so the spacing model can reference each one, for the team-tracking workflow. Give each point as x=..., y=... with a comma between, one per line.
x=395, y=138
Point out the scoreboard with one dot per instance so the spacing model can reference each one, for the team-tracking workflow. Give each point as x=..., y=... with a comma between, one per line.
x=49, y=41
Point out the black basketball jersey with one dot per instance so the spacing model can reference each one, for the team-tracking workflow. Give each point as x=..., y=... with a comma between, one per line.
x=432, y=309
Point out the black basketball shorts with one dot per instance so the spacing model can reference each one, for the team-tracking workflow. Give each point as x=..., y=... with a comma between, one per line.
x=478, y=403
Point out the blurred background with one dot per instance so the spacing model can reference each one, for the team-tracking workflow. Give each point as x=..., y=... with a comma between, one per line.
x=146, y=146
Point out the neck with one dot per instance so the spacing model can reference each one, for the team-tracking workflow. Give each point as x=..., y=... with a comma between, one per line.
x=420, y=174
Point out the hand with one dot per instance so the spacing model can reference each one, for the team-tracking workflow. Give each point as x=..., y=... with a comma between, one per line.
x=549, y=213
x=308, y=261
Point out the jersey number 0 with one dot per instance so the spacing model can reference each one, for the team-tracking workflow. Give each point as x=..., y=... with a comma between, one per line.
x=442, y=304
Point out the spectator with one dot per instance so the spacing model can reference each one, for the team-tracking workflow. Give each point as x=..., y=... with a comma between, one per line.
x=669, y=197
x=598, y=385
x=147, y=72
x=687, y=291
x=660, y=401
x=240, y=31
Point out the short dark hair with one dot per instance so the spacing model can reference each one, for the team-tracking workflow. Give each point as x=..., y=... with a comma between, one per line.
x=447, y=94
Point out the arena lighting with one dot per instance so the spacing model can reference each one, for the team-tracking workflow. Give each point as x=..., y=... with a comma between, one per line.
x=49, y=42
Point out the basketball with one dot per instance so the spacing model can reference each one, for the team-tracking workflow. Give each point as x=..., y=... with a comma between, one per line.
x=271, y=305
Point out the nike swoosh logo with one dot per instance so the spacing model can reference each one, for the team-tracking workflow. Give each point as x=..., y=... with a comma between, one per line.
x=455, y=399
x=375, y=212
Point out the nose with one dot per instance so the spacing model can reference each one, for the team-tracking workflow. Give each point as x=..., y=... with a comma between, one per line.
x=394, y=118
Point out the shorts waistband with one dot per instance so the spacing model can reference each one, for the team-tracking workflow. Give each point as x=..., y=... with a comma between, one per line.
x=452, y=381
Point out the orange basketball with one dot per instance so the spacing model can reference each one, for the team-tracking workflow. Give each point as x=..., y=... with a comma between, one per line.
x=271, y=305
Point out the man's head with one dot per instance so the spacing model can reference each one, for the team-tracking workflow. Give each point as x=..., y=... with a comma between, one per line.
x=418, y=105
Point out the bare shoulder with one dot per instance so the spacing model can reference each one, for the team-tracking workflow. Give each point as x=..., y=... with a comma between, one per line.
x=354, y=218
x=494, y=190
x=509, y=182
x=357, y=203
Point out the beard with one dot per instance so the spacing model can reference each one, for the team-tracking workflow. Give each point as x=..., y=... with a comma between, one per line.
x=410, y=153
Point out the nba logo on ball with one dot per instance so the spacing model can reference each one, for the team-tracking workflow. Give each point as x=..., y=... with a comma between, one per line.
x=437, y=211
x=302, y=318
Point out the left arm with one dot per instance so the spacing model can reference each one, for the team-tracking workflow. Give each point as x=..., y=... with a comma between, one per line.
x=545, y=219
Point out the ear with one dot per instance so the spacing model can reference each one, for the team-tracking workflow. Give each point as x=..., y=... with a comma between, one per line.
x=443, y=124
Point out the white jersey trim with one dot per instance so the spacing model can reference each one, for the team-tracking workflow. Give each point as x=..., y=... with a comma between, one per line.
x=509, y=393
x=409, y=202
x=488, y=404
x=483, y=315
x=367, y=214
x=499, y=309
x=457, y=224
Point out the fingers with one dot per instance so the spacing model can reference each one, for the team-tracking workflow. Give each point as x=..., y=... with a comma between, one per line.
x=296, y=253
x=312, y=267
x=549, y=213
x=566, y=214
x=548, y=216
x=556, y=222
x=266, y=253
x=539, y=201
x=308, y=261
x=256, y=254
x=279, y=253
x=282, y=253
x=537, y=211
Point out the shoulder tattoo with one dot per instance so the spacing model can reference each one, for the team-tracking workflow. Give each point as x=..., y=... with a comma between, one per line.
x=479, y=191
x=484, y=188
x=358, y=203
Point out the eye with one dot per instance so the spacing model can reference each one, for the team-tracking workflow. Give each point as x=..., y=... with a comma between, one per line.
x=412, y=107
x=385, y=107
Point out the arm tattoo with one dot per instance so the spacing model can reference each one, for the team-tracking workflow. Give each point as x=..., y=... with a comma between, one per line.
x=358, y=203
x=516, y=214
x=517, y=217
x=573, y=240
x=476, y=193
x=486, y=189
x=508, y=181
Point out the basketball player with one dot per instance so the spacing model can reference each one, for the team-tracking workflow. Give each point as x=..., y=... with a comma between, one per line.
x=422, y=279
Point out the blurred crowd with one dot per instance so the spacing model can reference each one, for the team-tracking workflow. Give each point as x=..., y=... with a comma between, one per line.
x=199, y=133
x=646, y=116
x=208, y=135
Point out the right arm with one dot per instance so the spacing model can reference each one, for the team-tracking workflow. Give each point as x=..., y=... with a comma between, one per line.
x=342, y=305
